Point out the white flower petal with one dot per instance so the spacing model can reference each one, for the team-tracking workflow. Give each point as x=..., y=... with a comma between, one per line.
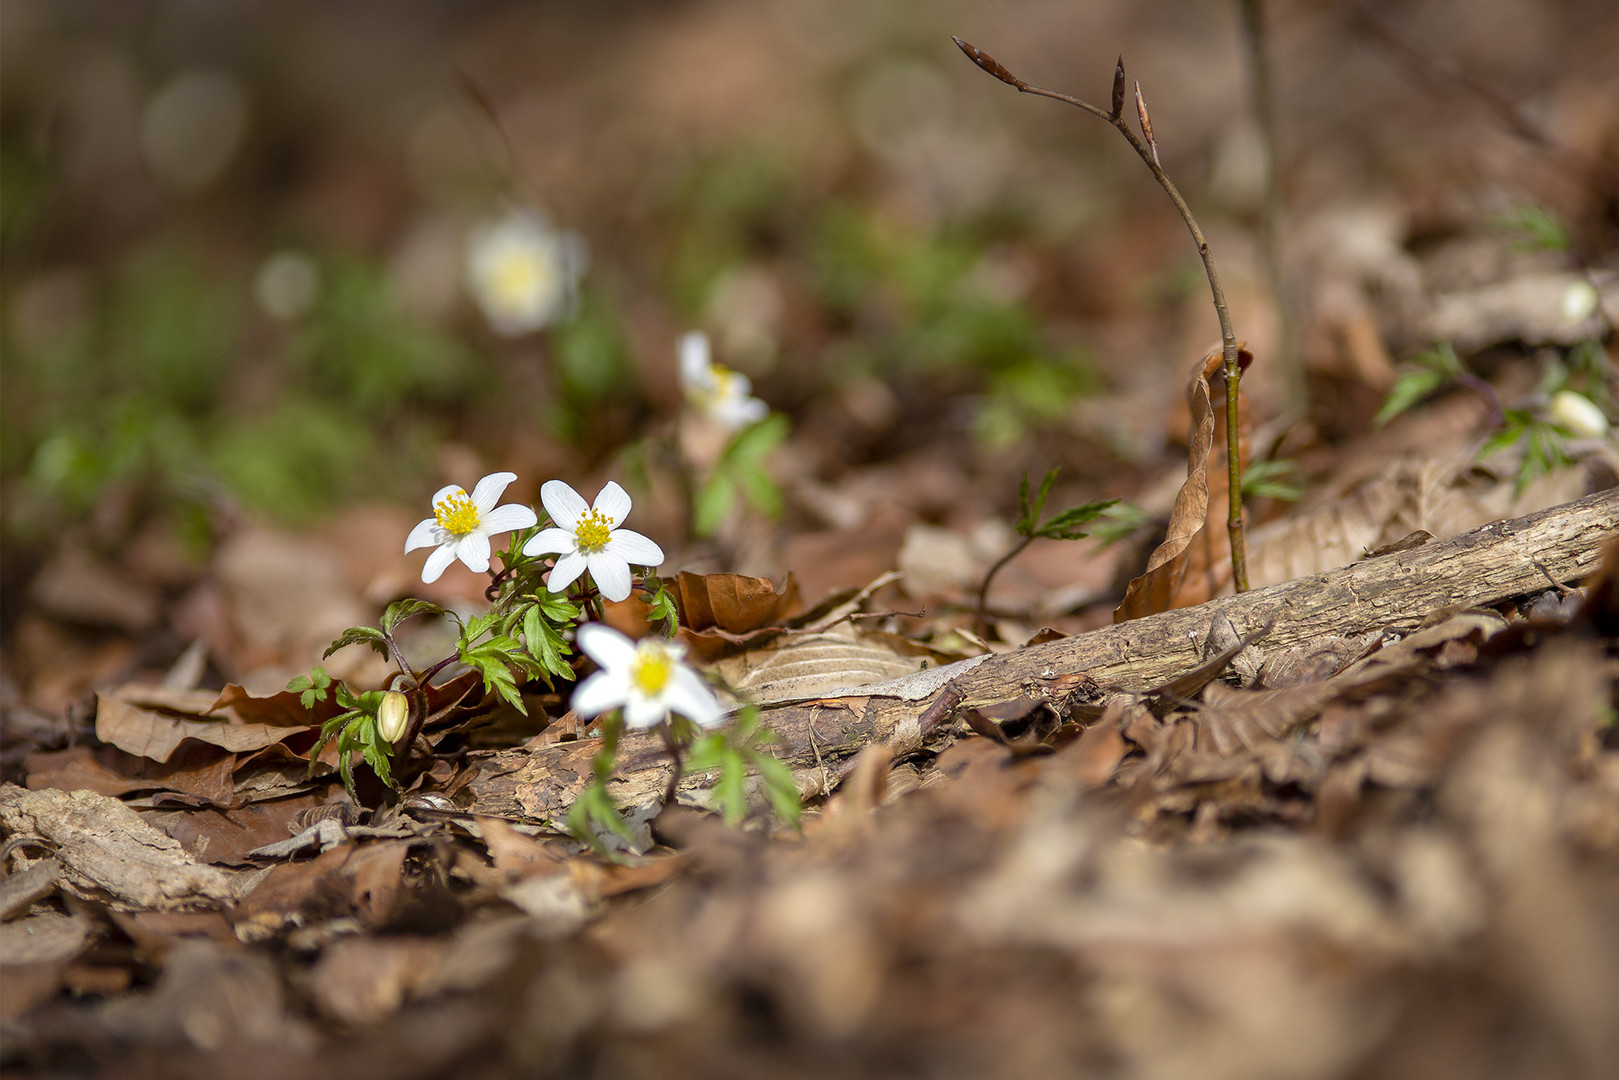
x=602, y=691
x=442, y=556
x=447, y=489
x=563, y=503
x=642, y=712
x=487, y=493
x=566, y=571
x=609, y=648
x=473, y=549
x=425, y=534
x=694, y=361
x=610, y=573
x=508, y=518
x=633, y=548
x=689, y=696
x=551, y=541
x=613, y=503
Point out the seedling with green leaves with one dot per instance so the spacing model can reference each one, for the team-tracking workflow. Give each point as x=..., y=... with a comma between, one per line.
x=1063, y=526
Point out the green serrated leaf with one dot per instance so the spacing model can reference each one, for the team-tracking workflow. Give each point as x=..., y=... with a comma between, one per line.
x=477, y=626
x=359, y=635
x=493, y=660
x=754, y=442
x=1409, y=388
x=1536, y=227
x=558, y=609
x=705, y=753
x=1066, y=524
x=593, y=812
x=546, y=645
x=713, y=502
x=761, y=490
x=780, y=788
x=661, y=610
x=730, y=794
x=403, y=609
x=376, y=755
x=1513, y=424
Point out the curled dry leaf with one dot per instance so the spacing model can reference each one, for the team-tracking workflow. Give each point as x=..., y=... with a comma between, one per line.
x=1155, y=589
x=124, y=720
x=734, y=603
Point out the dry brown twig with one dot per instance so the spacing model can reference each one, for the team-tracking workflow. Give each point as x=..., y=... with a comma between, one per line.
x=1146, y=148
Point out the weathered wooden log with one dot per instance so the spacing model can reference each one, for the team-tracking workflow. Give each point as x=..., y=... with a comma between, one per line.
x=1495, y=562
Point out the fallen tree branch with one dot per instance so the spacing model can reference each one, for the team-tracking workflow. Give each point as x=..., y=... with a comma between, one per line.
x=819, y=738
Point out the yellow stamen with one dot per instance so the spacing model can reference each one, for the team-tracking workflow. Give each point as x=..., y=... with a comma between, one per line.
x=457, y=514
x=593, y=531
x=519, y=276
x=650, y=670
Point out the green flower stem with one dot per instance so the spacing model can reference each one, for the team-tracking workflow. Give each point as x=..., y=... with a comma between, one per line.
x=675, y=758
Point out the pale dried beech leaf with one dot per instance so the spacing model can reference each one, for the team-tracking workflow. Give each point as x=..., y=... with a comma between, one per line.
x=149, y=733
x=816, y=665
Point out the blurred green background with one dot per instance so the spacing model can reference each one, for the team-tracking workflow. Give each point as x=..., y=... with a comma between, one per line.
x=235, y=235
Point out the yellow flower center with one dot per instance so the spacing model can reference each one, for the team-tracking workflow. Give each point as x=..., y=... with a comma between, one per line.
x=650, y=670
x=518, y=277
x=593, y=531
x=457, y=514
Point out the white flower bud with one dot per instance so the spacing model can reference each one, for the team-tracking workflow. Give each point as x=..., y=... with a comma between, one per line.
x=393, y=716
x=1578, y=414
x=1580, y=302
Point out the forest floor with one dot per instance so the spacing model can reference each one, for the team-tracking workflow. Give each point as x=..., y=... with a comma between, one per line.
x=1361, y=820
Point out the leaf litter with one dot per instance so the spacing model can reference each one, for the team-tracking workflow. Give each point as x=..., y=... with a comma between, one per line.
x=1389, y=854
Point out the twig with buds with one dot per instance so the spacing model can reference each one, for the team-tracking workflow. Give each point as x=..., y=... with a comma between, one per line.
x=1146, y=148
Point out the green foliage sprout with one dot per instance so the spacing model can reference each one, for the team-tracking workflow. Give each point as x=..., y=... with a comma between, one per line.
x=1062, y=526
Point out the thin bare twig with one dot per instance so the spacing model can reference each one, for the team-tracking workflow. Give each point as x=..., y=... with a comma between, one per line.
x=980, y=622
x=1148, y=152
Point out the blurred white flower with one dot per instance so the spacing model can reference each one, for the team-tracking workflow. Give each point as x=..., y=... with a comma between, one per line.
x=588, y=538
x=1580, y=302
x=649, y=679
x=717, y=392
x=1579, y=414
x=286, y=285
x=192, y=127
x=462, y=524
x=521, y=272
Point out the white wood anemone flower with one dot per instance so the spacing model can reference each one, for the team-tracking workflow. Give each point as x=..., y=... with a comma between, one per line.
x=1578, y=414
x=522, y=273
x=462, y=524
x=648, y=679
x=716, y=391
x=588, y=538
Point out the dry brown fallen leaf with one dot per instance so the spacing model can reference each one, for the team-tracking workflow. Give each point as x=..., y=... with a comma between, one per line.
x=1154, y=590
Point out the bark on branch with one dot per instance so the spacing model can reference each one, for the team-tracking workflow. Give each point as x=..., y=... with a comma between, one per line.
x=1492, y=563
